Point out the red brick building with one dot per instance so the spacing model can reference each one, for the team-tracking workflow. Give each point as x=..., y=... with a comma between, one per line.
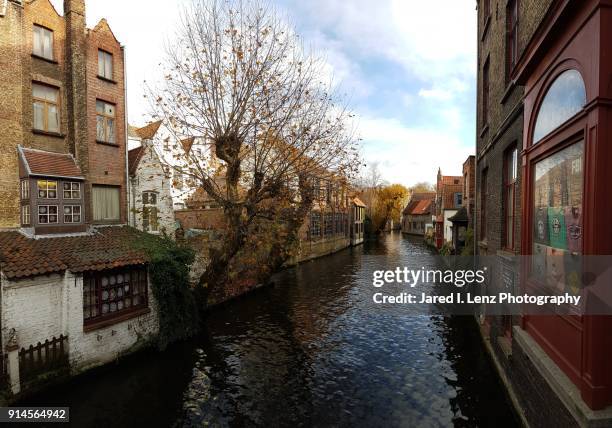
x=544, y=148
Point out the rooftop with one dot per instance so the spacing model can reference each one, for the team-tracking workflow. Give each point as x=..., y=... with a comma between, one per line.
x=43, y=163
x=107, y=247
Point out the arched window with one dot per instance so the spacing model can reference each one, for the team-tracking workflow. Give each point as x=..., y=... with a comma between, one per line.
x=565, y=97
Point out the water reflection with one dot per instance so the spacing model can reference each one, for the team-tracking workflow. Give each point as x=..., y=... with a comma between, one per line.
x=306, y=352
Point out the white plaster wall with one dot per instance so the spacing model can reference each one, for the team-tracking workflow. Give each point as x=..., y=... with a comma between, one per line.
x=448, y=225
x=46, y=306
x=33, y=307
x=150, y=176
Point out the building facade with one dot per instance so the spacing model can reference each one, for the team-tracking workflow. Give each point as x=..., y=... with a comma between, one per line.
x=542, y=159
x=449, y=199
x=151, y=207
x=70, y=278
x=417, y=216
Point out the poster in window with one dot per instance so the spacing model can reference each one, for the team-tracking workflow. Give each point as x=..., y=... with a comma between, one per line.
x=557, y=231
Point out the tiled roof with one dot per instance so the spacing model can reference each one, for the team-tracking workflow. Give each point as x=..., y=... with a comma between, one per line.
x=419, y=196
x=39, y=162
x=134, y=157
x=421, y=207
x=149, y=131
x=451, y=179
x=187, y=143
x=449, y=195
x=358, y=202
x=461, y=216
x=109, y=247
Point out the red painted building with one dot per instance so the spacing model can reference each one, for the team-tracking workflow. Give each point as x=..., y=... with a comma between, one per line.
x=544, y=151
x=567, y=73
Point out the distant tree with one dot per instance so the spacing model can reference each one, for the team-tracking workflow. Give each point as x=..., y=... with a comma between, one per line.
x=423, y=186
x=390, y=202
x=237, y=77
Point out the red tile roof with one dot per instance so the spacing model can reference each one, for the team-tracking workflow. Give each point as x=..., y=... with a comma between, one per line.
x=187, y=143
x=421, y=207
x=419, y=196
x=134, y=157
x=358, y=202
x=449, y=192
x=39, y=162
x=451, y=179
x=149, y=131
x=109, y=247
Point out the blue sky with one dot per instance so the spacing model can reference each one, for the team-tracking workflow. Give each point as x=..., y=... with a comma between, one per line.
x=408, y=68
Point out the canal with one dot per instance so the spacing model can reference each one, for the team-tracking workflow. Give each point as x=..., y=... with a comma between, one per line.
x=305, y=352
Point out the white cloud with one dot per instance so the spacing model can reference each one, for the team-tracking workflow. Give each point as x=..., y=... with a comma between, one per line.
x=409, y=155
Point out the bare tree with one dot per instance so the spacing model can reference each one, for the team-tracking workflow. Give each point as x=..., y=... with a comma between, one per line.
x=238, y=77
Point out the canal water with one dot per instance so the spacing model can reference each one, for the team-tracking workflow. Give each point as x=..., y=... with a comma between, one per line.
x=305, y=352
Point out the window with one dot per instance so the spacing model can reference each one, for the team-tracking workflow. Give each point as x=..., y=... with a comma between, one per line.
x=72, y=214
x=458, y=199
x=47, y=214
x=45, y=105
x=510, y=174
x=72, y=190
x=149, y=198
x=485, y=94
x=105, y=122
x=557, y=225
x=25, y=189
x=565, y=97
x=106, y=206
x=483, y=205
x=105, y=64
x=315, y=224
x=511, y=35
x=109, y=294
x=43, y=42
x=149, y=212
x=47, y=189
x=25, y=215
x=329, y=224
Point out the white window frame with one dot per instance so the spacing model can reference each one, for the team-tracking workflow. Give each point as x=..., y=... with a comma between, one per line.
x=39, y=189
x=105, y=64
x=71, y=190
x=25, y=189
x=38, y=42
x=72, y=214
x=48, y=214
x=26, y=218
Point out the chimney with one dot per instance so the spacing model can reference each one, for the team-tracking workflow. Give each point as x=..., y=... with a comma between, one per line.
x=76, y=60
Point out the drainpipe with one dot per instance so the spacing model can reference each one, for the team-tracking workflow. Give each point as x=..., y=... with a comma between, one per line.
x=126, y=138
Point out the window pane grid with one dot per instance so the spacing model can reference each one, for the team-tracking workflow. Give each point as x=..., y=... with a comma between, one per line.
x=47, y=189
x=47, y=214
x=105, y=122
x=113, y=293
x=45, y=108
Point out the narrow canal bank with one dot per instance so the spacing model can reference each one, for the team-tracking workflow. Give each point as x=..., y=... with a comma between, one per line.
x=306, y=352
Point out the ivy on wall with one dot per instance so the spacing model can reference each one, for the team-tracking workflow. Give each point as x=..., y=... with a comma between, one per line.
x=169, y=264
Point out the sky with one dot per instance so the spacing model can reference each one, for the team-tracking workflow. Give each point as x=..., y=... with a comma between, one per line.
x=407, y=68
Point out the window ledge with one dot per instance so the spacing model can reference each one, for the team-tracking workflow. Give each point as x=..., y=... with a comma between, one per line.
x=510, y=87
x=97, y=325
x=484, y=130
x=106, y=79
x=42, y=58
x=48, y=134
x=485, y=28
x=106, y=143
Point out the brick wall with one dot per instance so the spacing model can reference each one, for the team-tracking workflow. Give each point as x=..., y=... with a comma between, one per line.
x=73, y=70
x=211, y=219
x=106, y=162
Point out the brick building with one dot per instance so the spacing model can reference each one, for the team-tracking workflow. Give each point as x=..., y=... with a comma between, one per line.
x=449, y=199
x=542, y=149
x=417, y=216
x=67, y=261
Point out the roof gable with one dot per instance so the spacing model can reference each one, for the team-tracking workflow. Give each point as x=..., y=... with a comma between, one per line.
x=49, y=164
x=134, y=157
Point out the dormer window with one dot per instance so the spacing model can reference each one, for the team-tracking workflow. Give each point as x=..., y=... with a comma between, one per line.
x=43, y=42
